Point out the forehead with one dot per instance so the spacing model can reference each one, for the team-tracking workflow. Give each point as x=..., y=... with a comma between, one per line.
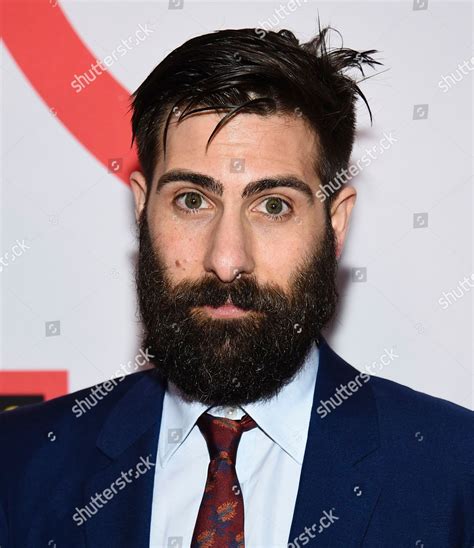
x=262, y=144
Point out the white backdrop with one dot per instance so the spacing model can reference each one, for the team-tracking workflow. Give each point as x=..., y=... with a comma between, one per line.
x=411, y=233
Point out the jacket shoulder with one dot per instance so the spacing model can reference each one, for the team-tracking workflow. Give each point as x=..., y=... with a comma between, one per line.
x=82, y=412
x=408, y=416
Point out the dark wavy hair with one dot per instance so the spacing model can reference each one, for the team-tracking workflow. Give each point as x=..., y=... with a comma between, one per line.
x=254, y=71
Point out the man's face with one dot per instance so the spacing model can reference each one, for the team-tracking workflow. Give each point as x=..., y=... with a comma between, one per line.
x=236, y=270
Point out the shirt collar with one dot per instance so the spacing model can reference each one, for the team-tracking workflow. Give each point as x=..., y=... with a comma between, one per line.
x=284, y=417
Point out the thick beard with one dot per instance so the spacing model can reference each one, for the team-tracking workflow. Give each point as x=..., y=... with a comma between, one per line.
x=233, y=361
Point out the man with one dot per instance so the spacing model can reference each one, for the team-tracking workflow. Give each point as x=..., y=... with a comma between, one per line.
x=249, y=430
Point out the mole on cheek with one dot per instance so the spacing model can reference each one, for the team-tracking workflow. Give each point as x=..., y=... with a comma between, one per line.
x=177, y=263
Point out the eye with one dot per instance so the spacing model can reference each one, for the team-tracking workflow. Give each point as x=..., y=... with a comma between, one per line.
x=276, y=208
x=191, y=203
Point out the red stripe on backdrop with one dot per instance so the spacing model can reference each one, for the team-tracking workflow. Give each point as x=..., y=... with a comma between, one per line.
x=49, y=52
x=50, y=384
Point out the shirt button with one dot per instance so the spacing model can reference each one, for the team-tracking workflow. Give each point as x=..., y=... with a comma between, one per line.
x=230, y=411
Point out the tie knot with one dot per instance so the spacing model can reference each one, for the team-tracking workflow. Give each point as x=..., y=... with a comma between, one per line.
x=222, y=435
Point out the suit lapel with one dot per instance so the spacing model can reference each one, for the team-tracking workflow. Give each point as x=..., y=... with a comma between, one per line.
x=121, y=516
x=339, y=486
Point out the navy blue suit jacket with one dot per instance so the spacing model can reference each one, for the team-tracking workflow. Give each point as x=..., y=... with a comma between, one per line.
x=389, y=467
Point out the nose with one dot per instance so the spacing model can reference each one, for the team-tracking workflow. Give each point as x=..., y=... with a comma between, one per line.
x=228, y=253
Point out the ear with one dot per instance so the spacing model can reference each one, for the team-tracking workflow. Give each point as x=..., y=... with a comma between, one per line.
x=341, y=209
x=139, y=187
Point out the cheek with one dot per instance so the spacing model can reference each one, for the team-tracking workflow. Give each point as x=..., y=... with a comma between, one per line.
x=278, y=256
x=178, y=249
x=183, y=263
x=276, y=259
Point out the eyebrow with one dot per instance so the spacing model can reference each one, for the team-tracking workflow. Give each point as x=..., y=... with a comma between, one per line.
x=254, y=187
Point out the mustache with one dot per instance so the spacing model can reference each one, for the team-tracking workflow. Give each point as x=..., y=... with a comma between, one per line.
x=244, y=292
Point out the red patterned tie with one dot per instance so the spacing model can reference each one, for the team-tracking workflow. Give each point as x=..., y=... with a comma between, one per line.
x=220, y=520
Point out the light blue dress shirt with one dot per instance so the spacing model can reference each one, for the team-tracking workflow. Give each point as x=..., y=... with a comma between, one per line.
x=268, y=463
